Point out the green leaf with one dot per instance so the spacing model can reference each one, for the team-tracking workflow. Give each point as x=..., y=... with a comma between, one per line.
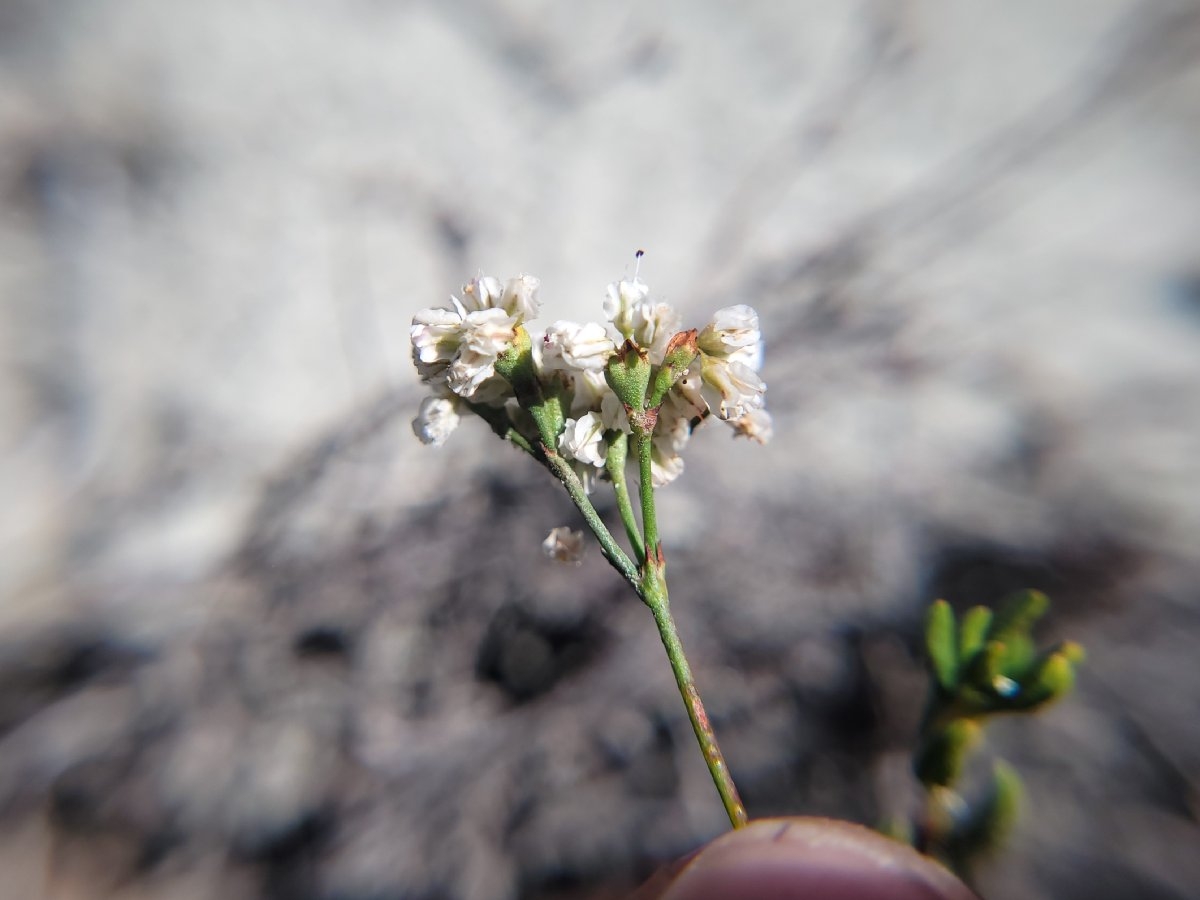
x=986, y=667
x=1018, y=615
x=1073, y=652
x=975, y=625
x=1018, y=657
x=941, y=646
x=1052, y=680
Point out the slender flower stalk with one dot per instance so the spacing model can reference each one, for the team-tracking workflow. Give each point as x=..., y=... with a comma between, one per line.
x=614, y=465
x=578, y=399
x=608, y=545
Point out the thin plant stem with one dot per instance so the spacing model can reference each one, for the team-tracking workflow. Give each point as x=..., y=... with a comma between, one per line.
x=642, y=443
x=701, y=725
x=618, y=454
x=608, y=545
x=497, y=419
x=653, y=591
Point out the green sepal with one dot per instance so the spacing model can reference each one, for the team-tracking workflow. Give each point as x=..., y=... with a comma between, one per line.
x=549, y=416
x=681, y=351
x=628, y=374
x=940, y=761
x=941, y=644
x=516, y=366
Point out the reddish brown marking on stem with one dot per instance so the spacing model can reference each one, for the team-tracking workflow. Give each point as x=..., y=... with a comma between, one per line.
x=701, y=714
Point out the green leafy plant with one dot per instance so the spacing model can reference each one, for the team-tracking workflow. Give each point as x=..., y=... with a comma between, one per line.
x=983, y=666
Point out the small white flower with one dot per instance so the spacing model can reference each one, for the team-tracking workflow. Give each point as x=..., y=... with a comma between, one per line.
x=520, y=297
x=583, y=440
x=756, y=425
x=619, y=302
x=575, y=346
x=436, y=419
x=436, y=336
x=481, y=293
x=731, y=389
x=588, y=390
x=564, y=544
x=673, y=429
x=733, y=334
x=654, y=324
x=665, y=467
x=688, y=391
x=612, y=412
x=485, y=335
x=672, y=432
x=589, y=475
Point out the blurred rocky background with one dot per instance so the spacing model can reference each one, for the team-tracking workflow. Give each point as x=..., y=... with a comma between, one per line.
x=257, y=642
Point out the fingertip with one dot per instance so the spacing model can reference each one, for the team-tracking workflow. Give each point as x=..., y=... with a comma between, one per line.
x=772, y=859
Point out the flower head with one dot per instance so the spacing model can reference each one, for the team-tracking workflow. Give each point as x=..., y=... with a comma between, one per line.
x=457, y=347
x=456, y=350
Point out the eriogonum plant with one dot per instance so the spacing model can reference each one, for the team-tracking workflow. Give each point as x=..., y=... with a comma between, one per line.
x=588, y=400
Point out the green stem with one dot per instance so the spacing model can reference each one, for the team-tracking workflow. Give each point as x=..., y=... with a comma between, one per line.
x=643, y=444
x=653, y=590
x=655, y=595
x=497, y=419
x=608, y=545
x=618, y=453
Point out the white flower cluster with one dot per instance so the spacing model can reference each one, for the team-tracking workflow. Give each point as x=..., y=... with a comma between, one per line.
x=455, y=351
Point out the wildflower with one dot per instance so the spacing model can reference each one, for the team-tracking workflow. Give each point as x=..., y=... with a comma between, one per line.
x=649, y=325
x=458, y=347
x=517, y=297
x=456, y=351
x=733, y=334
x=731, y=389
x=620, y=301
x=569, y=345
x=756, y=425
x=583, y=440
x=436, y=336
